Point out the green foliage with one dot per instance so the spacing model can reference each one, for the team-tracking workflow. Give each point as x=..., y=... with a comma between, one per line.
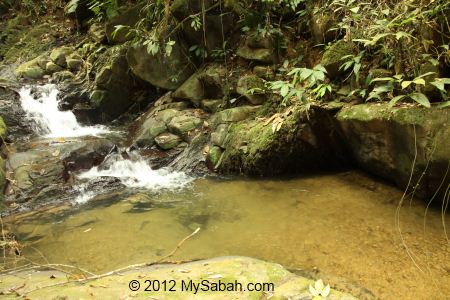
x=304, y=83
x=103, y=9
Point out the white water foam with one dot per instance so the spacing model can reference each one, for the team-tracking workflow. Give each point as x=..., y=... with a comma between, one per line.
x=135, y=173
x=48, y=119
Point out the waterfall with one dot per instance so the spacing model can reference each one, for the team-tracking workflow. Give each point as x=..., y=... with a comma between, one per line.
x=48, y=120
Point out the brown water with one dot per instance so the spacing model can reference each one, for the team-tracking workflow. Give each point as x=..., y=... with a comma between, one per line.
x=339, y=227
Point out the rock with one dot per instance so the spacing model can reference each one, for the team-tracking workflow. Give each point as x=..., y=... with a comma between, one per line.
x=62, y=76
x=320, y=25
x=383, y=142
x=151, y=128
x=260, y=55
x=74, y=64
x=227, y=272
x=2, y=130
x=114, y=84
x=235, y=114
x=214, y=156
x=87, y=156
x=58, y=55
x=211, y=105
x=264, y=72
x=332, y=57
x=183, y=124
x=97, y=33
x=127, y=18
x=253, y=88
x=31, y=69
x=51, y=67
x=219, y=135
x=303, y=143
x=167, y=115
x=160, y=70
x=192, y=89
x=167, y=141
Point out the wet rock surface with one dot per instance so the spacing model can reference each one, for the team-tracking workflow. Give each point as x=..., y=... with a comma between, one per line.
x=227, y=270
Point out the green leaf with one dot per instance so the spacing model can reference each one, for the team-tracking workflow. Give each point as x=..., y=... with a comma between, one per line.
x=355, y=10
x=421, y=99
x=419, y=81
x=405, y=84
x=284, y=90
x=395, y=100
x=439, y=85
x=443, y=104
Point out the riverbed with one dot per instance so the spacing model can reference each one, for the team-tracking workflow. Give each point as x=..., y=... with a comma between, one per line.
x=339, y=227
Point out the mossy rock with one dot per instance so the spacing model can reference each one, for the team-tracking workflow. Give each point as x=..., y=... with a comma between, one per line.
x=303, y=143
x=332, y=57
x=262, y=55
x=253, y=88
x=214, y=156
x=388, y=142
x=2, y=130
x=183, y=124
x=227, y=271
x=20, y=42
x=32, y=69
x=235, y=114
x=167, y=141
x=59, y=55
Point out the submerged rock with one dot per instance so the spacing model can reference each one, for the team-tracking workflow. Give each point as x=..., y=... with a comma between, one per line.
x=392, y=142
x=232, y=274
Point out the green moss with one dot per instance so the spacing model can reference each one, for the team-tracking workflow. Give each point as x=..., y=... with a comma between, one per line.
x=2, y=129
x=24, y=43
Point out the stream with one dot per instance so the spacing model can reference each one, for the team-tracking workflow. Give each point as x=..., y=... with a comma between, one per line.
x=343, y=227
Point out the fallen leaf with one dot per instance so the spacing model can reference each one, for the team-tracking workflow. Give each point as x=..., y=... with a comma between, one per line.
x=217, y=276
x=87, y=230
x=56, y=153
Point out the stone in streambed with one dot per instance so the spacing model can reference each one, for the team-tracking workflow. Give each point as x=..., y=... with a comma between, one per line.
x=184, y=123
x=167, y=141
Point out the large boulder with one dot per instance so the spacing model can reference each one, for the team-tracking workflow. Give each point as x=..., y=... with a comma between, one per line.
x=292, y=143
x=226, y=277
x=33, y=69
x=114, y=84
x=392, y=143
x=207, y=83
x=160, y=70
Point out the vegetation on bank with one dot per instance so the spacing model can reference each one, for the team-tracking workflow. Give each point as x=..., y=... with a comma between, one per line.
x=325, y=49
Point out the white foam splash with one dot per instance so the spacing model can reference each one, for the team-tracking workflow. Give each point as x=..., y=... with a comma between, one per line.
x=134, y=173
x=48, y=119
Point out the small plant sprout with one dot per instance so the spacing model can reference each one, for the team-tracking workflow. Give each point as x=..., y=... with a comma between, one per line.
x=319, y=291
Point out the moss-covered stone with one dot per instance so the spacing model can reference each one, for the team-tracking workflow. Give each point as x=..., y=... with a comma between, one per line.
x=20, y=42
x=253, y=88
x=2, y=129
x=332, y=57
x=127, y=18
x=167, y=140
x=31, y=69
x=214, y=156
x=225, y=270
x=301, y=144
x=183, y=124
x=59, y=55
x=235, y=114
x=389, y=142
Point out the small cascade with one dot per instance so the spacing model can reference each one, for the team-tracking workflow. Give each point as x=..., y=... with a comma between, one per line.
x=134, y=172
x=48, y=120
